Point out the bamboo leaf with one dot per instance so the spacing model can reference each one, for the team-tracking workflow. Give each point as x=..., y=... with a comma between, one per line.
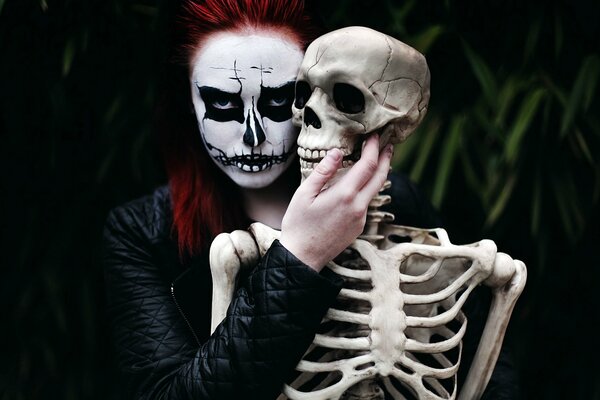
x=585, y=149
x=424, y=151
x=532, y=39
x=501, y=201
x=424, y=40
x=449, y=152
x=563, y=208
x=68, y=55
x=521, y=124
x=583, y=90
x=565, y=194
x=404, y=152
x=536, y=204
x=558, y=32
x=592, y=80
x=470, y=174
x=112, y=110
x=507, y=94
x=483, y=73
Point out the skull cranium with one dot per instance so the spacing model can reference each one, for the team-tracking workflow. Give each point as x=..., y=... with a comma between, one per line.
x=352, y=82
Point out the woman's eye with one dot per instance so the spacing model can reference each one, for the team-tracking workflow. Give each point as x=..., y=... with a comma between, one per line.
x=278, y=101
x=223, y=104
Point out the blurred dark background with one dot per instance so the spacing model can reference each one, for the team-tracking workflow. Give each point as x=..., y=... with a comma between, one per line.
x=510, y=150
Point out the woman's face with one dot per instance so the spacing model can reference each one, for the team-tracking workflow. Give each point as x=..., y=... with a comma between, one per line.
x=242, y=90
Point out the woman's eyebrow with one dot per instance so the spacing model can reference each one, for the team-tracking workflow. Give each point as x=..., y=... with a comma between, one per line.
x=282, y=86
x=214, y=90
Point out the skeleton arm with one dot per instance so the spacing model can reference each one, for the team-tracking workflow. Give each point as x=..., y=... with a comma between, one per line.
x=229, y=253
x=507, y=282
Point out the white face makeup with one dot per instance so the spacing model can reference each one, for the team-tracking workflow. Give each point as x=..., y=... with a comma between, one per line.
x=242, y=90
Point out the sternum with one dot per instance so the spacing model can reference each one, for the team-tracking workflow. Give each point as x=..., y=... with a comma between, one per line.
x=387, y=318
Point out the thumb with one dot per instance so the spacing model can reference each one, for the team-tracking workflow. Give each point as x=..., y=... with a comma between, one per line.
x=323, y=172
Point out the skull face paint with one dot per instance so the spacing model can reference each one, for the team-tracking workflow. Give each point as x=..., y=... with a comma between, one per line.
x=242, y=91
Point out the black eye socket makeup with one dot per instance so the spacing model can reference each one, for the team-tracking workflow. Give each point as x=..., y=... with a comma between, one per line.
x=221, y=106
x=275, y=103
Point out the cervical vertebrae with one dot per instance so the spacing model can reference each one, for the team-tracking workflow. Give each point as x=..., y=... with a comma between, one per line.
x=397, y=327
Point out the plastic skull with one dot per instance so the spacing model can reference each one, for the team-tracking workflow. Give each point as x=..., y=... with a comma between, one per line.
x=352, y=82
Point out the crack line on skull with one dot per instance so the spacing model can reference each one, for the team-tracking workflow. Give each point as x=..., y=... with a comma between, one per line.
x=318, y=58
x=396, y=79
x=389, y=60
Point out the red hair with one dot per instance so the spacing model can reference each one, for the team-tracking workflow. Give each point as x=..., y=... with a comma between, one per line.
x=204, y=200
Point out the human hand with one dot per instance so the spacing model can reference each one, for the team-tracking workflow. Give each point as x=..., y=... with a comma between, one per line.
x=320, y=223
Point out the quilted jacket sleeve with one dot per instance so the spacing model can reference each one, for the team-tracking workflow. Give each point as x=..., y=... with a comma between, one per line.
x=269, y=325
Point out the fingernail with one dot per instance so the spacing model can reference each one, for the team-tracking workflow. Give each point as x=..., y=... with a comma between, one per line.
x=389, y=149
x=334, y=154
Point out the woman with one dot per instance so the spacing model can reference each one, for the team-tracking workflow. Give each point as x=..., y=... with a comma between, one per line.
x=231, y=161
x=242, y=59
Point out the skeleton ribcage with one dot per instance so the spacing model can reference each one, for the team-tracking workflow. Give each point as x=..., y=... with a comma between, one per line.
x=396, y=329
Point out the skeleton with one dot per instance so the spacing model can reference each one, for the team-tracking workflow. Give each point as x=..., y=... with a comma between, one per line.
x=397, y=326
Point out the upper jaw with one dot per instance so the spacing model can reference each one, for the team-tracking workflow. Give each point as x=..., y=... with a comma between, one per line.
x=309, y=158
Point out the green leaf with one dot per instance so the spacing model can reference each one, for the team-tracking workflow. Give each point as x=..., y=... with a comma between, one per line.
x=558, y=32
x=424, y=40
x=536, y=204
x=450, y=149
x=470, y=173
x=424, y=151
x=585, y=149
x=112, y=110
x=593, y=65
x=532, y=39
x=563, y=209
x=484, y=75
x=507, y=94
x=404, y=152
x=68, y=55
x=565, y=194
x=583, y=91
x=521, y=124
x=502, y=200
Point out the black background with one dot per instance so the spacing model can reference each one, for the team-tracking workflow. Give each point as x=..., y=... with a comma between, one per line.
x=78, y=80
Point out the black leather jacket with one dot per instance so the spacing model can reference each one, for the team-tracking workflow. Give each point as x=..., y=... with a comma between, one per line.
x=159, y=309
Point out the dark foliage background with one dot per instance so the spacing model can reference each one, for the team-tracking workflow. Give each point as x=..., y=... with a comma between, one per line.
x=510, y=150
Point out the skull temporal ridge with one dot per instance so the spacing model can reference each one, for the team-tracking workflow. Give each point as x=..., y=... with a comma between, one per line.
x=352, y=82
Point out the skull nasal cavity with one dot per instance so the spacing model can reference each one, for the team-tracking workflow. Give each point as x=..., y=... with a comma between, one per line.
x=310, y=118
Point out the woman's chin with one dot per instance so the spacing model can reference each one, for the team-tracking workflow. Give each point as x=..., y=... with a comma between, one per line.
x=246, y=179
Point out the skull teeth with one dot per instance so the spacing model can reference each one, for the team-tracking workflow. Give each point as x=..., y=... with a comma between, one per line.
x=310, y=165
x=313, y=156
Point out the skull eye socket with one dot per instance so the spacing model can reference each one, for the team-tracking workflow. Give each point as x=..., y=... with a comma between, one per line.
x=348, y=99
x=303, y=93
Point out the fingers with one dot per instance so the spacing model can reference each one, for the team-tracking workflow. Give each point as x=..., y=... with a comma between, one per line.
x=363, y=170
x=374, y=185
x=323, y=172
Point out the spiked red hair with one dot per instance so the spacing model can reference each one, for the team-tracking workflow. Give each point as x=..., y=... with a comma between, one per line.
x=203, y=198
